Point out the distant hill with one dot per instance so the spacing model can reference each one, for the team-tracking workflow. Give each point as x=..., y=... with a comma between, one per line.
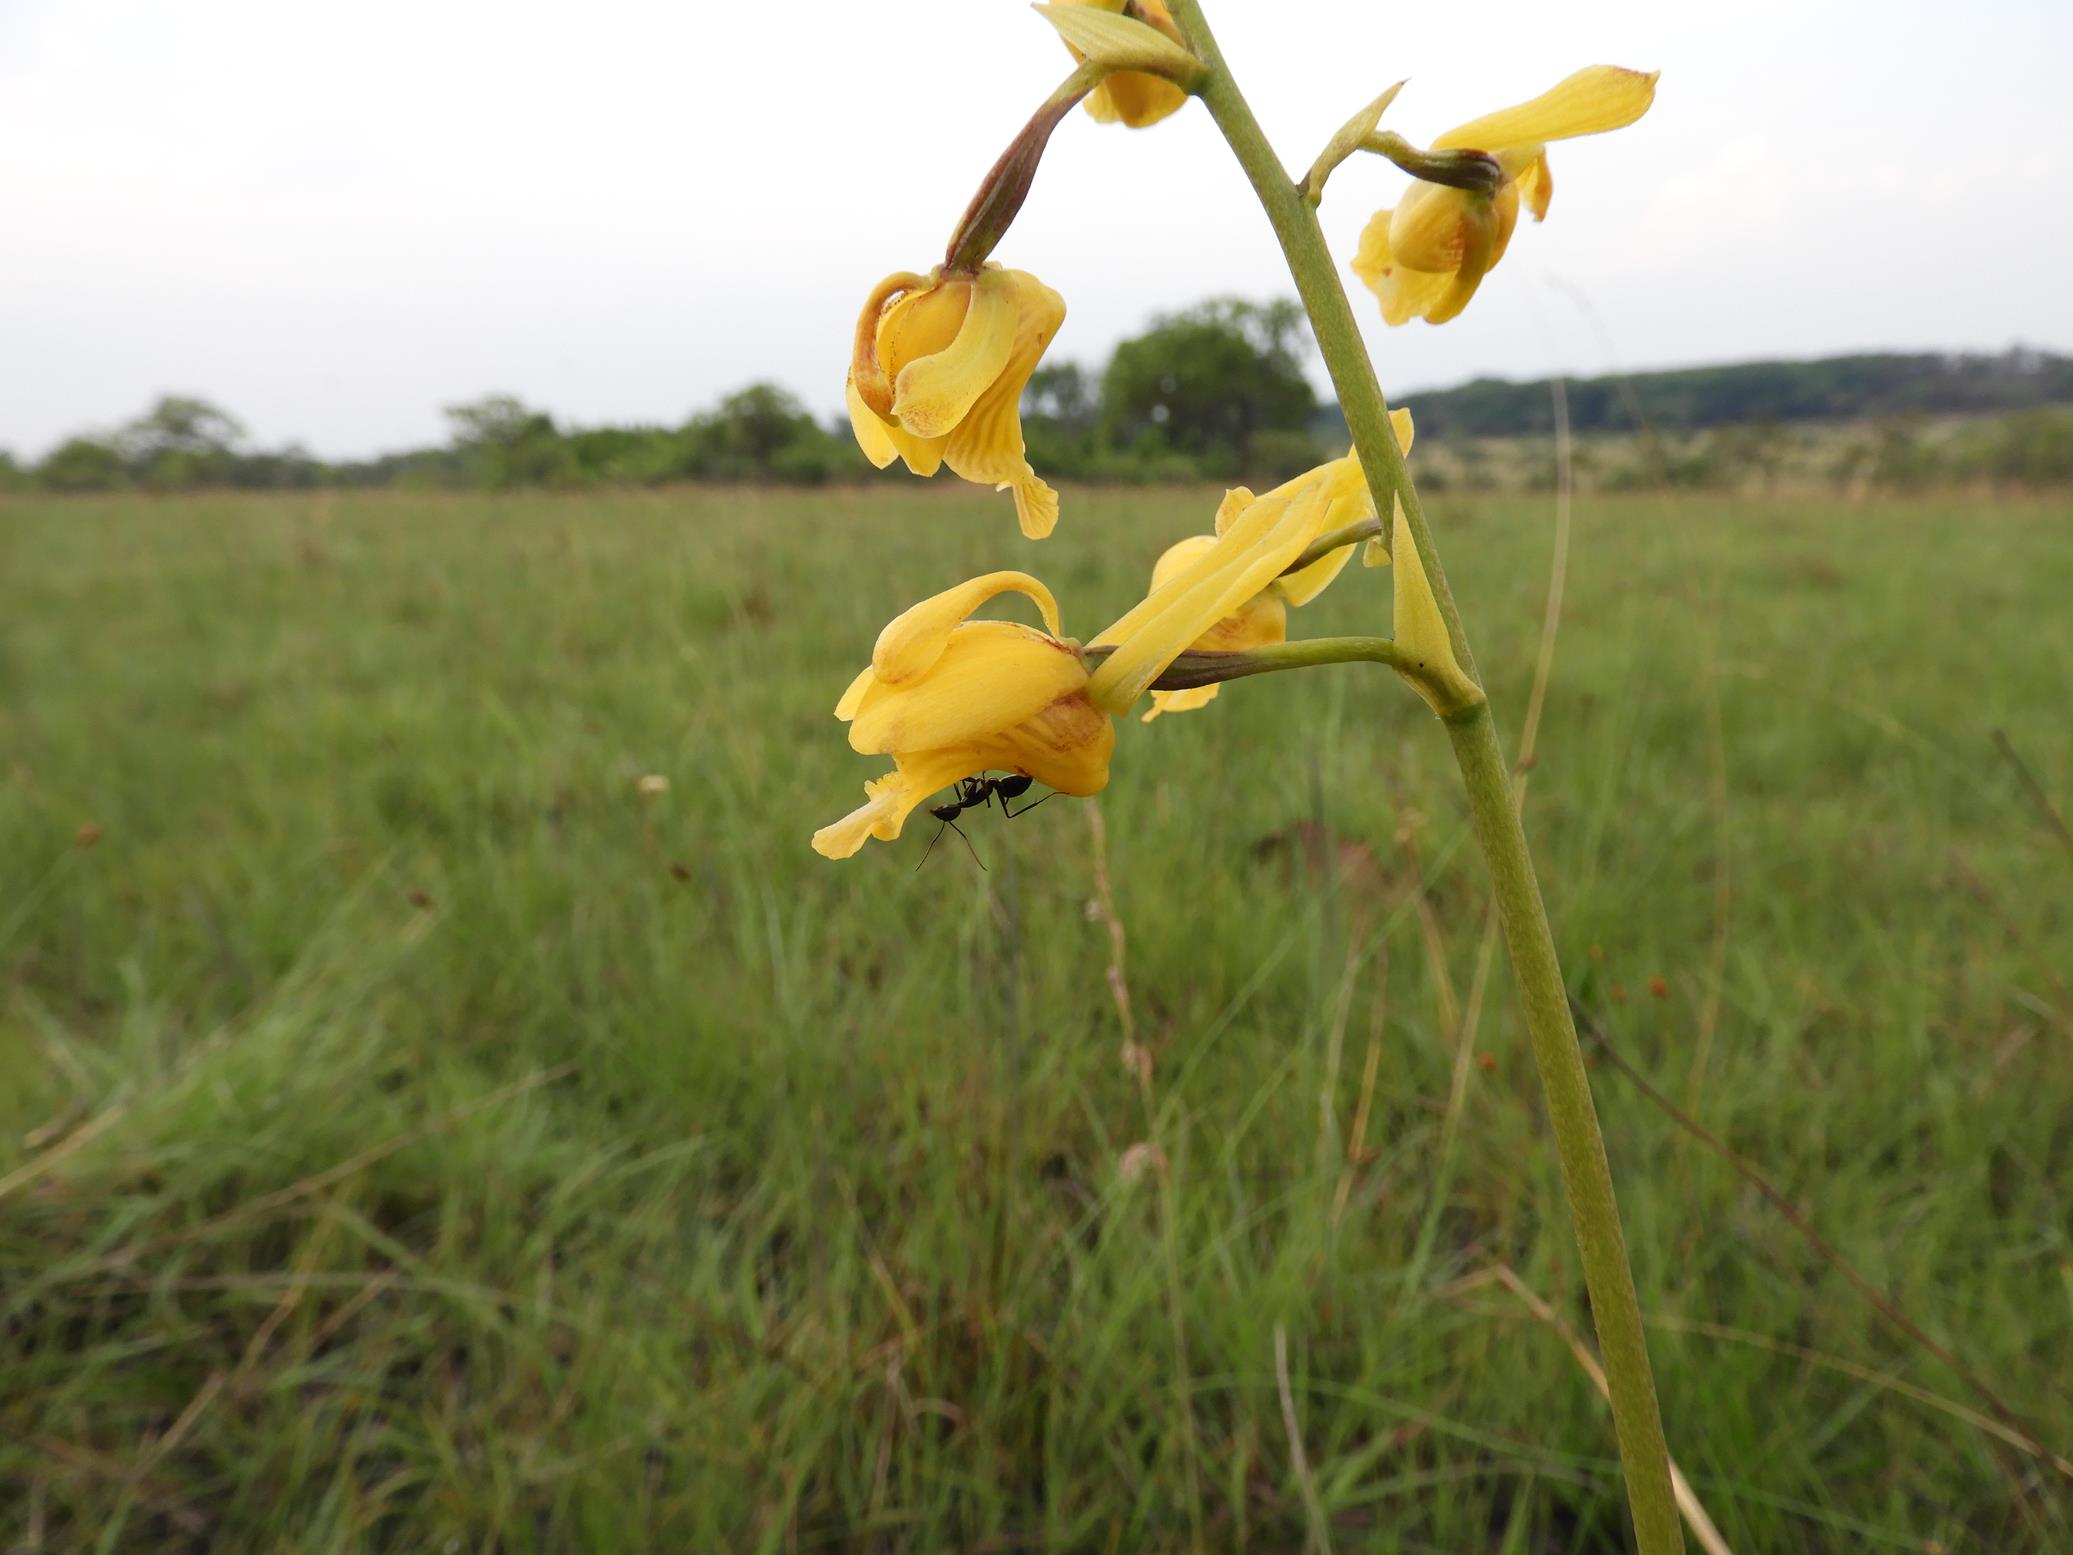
x=1835, y=388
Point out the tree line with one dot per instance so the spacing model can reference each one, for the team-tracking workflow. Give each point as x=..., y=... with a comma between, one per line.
x=1216, y=392
x=1878, y=386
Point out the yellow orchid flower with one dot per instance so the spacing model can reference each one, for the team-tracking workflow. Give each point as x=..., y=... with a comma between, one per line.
x=1261, y=620
x=1133, y=97
x=1342, y=487
x=946, y=697
x=1256, y=540
x=1425, y=258
x=937, y=374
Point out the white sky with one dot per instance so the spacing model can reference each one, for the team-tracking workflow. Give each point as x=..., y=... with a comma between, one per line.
x=334, y=218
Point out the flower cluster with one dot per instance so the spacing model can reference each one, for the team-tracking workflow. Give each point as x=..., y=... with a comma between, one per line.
x=937, y=370
x=946, y=696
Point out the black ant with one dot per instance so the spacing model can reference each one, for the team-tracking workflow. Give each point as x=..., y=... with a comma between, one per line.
x=972, y=792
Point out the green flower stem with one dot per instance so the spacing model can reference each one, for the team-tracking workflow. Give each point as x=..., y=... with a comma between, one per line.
x=1324, y=299
x=1580, y=1146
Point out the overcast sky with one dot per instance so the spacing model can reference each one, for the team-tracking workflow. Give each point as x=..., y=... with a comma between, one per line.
x=335, y=218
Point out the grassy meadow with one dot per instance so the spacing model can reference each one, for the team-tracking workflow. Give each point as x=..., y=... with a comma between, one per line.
x=419, y=1134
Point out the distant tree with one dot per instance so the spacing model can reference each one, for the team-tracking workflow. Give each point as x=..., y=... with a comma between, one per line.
x=1208, y=381
x=1837, y=388
x=502, y=443
x=496, y=419
x=745, y=431
x=181, y=423
x=761, y=433
x=414, y=469
x=628, y=456
x=182, y=441
x=1064, y=394
x=83, y=464
x=1061, y=414
x=293, y=468
x=1282, y=453
x=12, y=476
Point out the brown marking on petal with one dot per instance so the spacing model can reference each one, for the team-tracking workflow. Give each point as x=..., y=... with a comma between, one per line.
x=1064, y=745
x=874, y=388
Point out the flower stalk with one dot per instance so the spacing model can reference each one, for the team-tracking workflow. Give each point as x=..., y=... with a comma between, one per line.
x=1486, y=780
x=1208, y=667
x=1199, y=667
x=1473, y=170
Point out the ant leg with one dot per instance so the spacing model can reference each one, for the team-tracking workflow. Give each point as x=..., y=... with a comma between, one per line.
x=968, y=845
x=925, y=852
x=1012, y=814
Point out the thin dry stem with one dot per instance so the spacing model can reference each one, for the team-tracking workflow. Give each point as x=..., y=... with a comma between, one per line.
x=177, y=1432
x=1334, y=1054
x=2038, y=797
x=1446, y=1001
x=78, y=1139
x=1886, y=1306
x=1115, y=975
x=352, y=1165
x=1879, y=1379
x=1357, y=1137
x=1317, y=1535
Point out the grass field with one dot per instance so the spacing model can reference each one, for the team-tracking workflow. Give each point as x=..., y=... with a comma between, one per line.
x=417, y=1137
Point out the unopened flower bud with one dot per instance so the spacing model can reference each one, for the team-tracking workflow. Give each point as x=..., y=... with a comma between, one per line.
x=1349, y=138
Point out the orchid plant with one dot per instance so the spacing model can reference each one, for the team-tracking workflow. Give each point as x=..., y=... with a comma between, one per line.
x=937, y=370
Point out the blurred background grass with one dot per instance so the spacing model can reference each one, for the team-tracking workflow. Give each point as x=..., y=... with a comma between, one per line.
x=418, y=1137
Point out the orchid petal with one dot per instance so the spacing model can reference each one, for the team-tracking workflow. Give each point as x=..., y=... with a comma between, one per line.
x=1595, y=99
x=913, y=641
